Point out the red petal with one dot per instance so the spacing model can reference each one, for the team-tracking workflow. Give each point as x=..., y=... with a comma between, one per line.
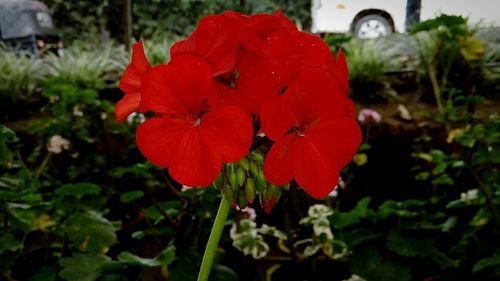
x=278, y=165
x=315, y=93
x=215, y=39
x=131, y=79
x=178, y=88
x=128, y=104
x=158, y=138
x=264, y=24
x=342, y=63
x=295, y=50
x=130, y=82
x=276, y=119
x=225, y=95
x=230, y=131
x=313, y=170
x=139, y=59
x=338, y=139
x=258, y=77
x=195, y=162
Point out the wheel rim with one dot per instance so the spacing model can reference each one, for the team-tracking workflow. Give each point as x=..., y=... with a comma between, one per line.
x=372, y=29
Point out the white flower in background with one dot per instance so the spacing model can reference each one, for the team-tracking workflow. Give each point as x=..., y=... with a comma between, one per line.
x=335, y=191
x=369, y=116
x=185, y=188
x=469, y=196
x=355, y=277
x=57, y=144
x=53, y=99
x=135, y=117
x=104, y=115
x=249, y=212
x=77, y=111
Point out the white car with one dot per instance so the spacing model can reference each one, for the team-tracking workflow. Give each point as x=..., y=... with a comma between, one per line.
x=374, y=18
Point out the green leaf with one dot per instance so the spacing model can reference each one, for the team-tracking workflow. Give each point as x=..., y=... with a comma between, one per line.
x=45, y=274
x=8, y=242
x=481, y=218
x=484, y=263
x=411, y=246
x=131, y=196
x=78, y=190
x=450, y=223
x=223, y=273
x=10, y=183
x=341, y=220
x=443, y=179
x=166, y=257
x=91, y=232
x=368, y=264
x=83, y=267
x=128, y=258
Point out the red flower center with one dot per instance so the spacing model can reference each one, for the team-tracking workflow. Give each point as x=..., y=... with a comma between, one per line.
x=301, y=129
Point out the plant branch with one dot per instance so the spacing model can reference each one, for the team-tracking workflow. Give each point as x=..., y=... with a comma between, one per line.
x=213, y=240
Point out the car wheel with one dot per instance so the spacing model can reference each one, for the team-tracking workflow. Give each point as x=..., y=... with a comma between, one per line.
x=372, y=26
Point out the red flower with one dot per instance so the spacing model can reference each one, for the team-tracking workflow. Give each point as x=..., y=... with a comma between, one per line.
x=253, y=82
x=130, y=83
x=319, y=137
x=296, y=50
x=265, y=24
x=186, y=136
x=216, y=39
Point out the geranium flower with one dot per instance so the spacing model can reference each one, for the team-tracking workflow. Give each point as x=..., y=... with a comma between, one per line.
x=320, y=137
x=252, y=83
x=216, y=39
x=296, y=50
x=265, y=24
x=187, y=136
x=130, y=83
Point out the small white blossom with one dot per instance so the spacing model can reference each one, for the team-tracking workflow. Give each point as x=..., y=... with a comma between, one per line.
x=355, y=277
x=57, y=144
x=470, y=195
x=249, y=212
x=104, y=115
x=77, y=111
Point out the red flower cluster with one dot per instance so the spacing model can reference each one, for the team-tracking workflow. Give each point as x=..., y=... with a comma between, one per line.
x=231, y=69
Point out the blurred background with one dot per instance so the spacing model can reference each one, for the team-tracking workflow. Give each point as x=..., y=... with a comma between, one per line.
x=420, y=201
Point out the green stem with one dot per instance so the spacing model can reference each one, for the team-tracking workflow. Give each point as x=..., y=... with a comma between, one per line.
x=213, y=240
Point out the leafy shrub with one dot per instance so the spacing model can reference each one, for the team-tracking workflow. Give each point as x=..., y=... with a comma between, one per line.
x=87, y=66
x=369, y=61
x=20, y=75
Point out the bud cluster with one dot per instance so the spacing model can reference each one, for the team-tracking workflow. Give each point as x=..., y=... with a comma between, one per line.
x=241, y=182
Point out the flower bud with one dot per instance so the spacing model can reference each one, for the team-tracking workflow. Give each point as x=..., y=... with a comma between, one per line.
x=232, y=178
x=254, y=168
x=260, y=178
x=228, y=194
x=270, y=197
x=242, y=200
x=257, y=156
x=250, y=190
x=245, y=164
x=241, y=176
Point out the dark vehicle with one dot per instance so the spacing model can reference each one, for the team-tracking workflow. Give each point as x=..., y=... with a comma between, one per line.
x=26, y=26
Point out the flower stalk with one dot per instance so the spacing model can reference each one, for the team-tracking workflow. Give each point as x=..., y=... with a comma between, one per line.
x=213, y=240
